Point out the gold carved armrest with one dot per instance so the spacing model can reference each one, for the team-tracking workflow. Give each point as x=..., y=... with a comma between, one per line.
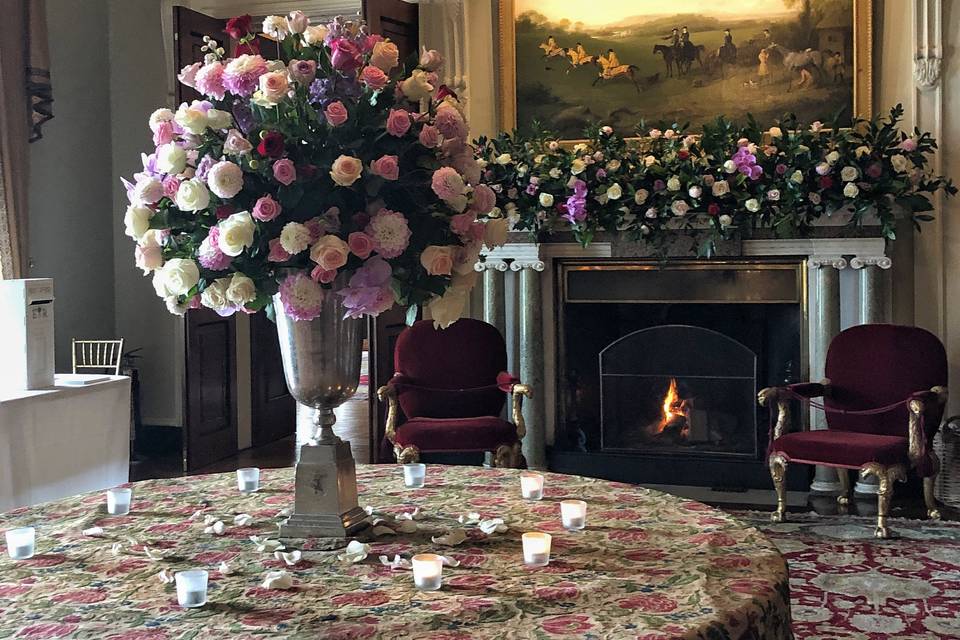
x=388, y=393
x=769, y=397
x=918, y=430
x=518, y=392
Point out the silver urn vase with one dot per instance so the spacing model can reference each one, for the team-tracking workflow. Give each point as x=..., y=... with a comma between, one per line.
x=321, y=364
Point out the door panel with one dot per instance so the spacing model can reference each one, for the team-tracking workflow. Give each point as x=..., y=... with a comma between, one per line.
x=274, y=411
x=397, y=20
x=189, y=27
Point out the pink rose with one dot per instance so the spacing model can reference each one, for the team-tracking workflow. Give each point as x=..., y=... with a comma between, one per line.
x=346, y=170
x=361, y=245
x=908, y=145
x=188, y=74
x=398, y=122
x=284, y=171
x=321, y=275
x=387, y=167
x=484, y=199
x=277, y=252
x=374, y=77
x=170, y=186
x=336, y=114
x=430, y=60
x=447, y=184
x=163, y=133
x=302, y=71
x=429, y=136
x=266, y=209
x=450, y=123
x=438, y=261
x=330, y=252
x=461, y=223
x=148, y=258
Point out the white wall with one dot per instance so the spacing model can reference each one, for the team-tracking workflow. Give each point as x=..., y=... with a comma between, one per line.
x=71, y=235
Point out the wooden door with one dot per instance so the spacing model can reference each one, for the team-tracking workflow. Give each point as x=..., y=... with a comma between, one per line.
x=397, y=20
x=273, y=409
x=189, y=27
x=210, y=398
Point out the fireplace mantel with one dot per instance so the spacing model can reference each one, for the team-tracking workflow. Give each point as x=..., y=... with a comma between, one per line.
x=847, y=285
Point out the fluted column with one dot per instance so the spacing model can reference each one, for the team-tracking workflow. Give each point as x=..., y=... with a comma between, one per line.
x=827, y=327
x=494, y=298
x=532, y=361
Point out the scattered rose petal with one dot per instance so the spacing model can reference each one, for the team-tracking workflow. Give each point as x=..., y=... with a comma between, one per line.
x=278, y=580
x=397, y=563
x=450, y=561
x=155, y=556
x=471, y=518
x=368, y=510
x=416, y=514
x=116, y=548
x=243, y=519
x=291, y=558
x=196, y=515
x=452, y=539
x=209, y=520
x=265, y=545
x=355, y=552
x=226, y=568
x=93, y=532
x=492, y=525
x=217, y=528
x=166, y=576
x=284, y=513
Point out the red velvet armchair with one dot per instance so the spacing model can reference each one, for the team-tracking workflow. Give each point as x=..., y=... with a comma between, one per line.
x=884, y=398
x=451, y=385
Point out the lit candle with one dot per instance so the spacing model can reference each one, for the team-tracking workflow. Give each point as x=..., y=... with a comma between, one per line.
x=118, y=501
x=20, y=543
x=536, y=549
x=248, y=479
x=427, y=570
x=191, y=588
x=414, y=474
x=573, y=514
x=531, y=485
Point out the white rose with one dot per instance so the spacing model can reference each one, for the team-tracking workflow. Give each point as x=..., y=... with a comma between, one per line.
x=695, y=191
x=241, y=290
x=899, y=163
x=158, y=285
x=577, y=166
x=644, y=229
x=215, y=295
x=651, y=213
x=179, y=275
x=294, y=237
x=275, y=27
x=650, y=161
x=137, y=220
x=160, y=115
x=797, y=177
x=613, y=165
x=773, y=195
x=522, y=169
x=673, y=184
x=225, y=179
x=848, y=174
x=192, y=195
x=851, y=190
x=236, y=233
x=641, y=196
x=147, y=191
x=447, y=309
x=861, y=151
x=580, y=147
x=752, y=205
x=236, y=144
x=679, y=207
x=495, y=232
x=297, y=22
x=814, y=197
x=504, y=158
x=171, y=158
x=775, y=132
x=314, y=35
x=614, y=191
x=218, y=119
x=192, y=119
x=417, y=87
x=546, y=200
x=725, y=220
x=720, y=188
x=555, y=173
x=832, y=157
x=729, y=166
x=174, y=305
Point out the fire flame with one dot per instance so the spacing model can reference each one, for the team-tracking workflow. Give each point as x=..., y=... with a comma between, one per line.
x=671, y=404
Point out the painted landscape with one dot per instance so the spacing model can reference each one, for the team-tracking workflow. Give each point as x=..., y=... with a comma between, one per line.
x=618, y=62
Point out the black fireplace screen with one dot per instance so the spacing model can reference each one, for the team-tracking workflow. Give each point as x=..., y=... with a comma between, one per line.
x=679, y=388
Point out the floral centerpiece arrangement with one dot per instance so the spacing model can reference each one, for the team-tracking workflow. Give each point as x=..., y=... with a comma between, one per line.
x=330, y=170
x=724, y=178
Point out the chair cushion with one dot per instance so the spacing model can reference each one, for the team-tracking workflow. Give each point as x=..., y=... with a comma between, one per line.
x=456, y=434
x=422, y=402
x=842, y=448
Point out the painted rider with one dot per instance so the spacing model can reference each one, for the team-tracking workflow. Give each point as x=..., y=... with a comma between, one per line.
x=550, y=46
x=674, y=38
x=580, y=54
x=728, y=51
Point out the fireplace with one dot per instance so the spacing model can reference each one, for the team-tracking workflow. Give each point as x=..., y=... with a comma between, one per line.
x=659, y=365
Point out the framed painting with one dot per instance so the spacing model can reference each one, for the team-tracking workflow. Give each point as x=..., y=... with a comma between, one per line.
x=567, y=63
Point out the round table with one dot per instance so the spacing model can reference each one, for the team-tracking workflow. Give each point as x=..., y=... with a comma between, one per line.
x=649, y=565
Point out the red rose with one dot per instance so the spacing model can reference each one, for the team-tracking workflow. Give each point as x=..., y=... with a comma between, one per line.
x=307, y=171
x=271, y=145
x=683, y=154
x=224, y=211
x=239, y=26
x=251, y=48
x=826, y=182
x=713, y=209
x=443, y=92
x=567, y=625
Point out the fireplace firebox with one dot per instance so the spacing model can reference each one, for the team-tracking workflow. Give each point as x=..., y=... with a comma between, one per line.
x=659, y=365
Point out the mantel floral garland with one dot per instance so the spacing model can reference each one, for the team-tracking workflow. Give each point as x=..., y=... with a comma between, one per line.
x=329, y=161
x=725, y=178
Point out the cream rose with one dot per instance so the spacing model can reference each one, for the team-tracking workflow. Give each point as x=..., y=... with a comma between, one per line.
x=314, y=35
x=725, y=220
x=171, y=158
x=900, y=163
x=225, y=179
x=294, y=237
x=504, y=159
x=641, y=196
x=346, y=170
x=720, y=188
x=241, y=290
x=218, y=119
x=546, y=200
x=192, y=195
x=137, y=220
x=577, y=166
x=275, y=27
x=192, y=119
x=752, y=205
x=495, y=232
x=437, y=260
x=236, y=233
x=832, y=157
x=849, y=174
x=330, y=252
x=448, y=308
x=775, y=132
x=851, y=190
x=274, y=86
x=417, y=87
x=297, y=22
x=673, y=184
x=178, y=276
x=614, y=191
x=797, y=177
x=215, y=295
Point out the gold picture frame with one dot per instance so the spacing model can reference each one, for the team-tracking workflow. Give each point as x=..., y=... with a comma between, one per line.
x=862, y=64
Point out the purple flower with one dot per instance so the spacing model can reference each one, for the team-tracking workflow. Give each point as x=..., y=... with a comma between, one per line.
x=531, y=189
x=781, y=169
x=243, y=115
x=747, y=163
x=601, y=174
x=576, y=206
x=209, y=254
x=368, y=292
x=659, y=185
x=204, y=166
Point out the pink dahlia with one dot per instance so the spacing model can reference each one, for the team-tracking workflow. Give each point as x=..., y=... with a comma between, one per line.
x=369, y=290
x=209, y=254
x=447, y=183
x=209, y=80
x=302, y=298
x=390, y=233
x=242, y=74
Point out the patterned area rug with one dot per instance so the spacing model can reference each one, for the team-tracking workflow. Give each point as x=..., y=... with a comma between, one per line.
x=844, y=583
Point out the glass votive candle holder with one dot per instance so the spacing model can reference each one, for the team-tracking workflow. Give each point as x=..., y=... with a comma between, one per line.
x=21, y=543
x=118, y=501
x=414, y=475
x=248, y=479
x=536, y=549
x=573, y=514
x=191, y=588
x=531, y=485
x=427, y=571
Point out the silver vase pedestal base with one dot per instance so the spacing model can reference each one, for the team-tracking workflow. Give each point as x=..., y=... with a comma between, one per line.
x=325, y=505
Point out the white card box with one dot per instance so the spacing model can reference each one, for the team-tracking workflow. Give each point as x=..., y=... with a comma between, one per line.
x=26, y=333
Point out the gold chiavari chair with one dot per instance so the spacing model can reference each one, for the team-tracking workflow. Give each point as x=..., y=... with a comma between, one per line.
x=103, y=356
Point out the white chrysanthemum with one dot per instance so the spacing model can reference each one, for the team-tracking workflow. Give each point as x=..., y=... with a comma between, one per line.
x=275, y=27
x=294, y=238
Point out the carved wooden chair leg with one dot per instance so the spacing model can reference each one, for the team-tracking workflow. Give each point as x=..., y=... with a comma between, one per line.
x=406, y=455
x=778, y=471
x=503, y=456
x=933, y=509
x=886, y=477
x=844, y=498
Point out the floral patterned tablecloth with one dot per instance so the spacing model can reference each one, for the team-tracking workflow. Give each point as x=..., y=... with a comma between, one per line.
x=648, y=566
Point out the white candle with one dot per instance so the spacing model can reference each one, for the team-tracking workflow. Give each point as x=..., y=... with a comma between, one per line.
x=414, y=474
x=531, y=485
x=427, y=570
x=573, y=514
x=248, y=479
x=536, y=549
x=118, y=501
x=21, y=542
x=191, y=588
